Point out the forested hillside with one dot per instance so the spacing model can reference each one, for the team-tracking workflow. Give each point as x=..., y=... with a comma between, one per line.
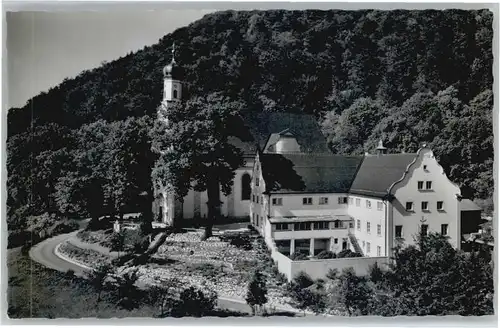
x=406, y=76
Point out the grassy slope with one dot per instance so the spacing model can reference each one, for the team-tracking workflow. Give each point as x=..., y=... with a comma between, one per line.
x=37, y=292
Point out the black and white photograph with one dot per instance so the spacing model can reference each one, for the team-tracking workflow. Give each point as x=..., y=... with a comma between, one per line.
x=249, y=163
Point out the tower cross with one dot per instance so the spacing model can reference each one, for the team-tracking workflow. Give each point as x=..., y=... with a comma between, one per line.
x=173, y=52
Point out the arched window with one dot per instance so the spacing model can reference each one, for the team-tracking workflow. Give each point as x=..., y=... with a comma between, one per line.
x=175, y=94
x=246, y=189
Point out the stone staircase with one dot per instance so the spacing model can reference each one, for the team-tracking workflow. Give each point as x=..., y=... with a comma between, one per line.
x=355, y=244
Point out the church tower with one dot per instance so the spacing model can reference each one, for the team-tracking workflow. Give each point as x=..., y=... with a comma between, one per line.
x=172, y=88
x=166, y=206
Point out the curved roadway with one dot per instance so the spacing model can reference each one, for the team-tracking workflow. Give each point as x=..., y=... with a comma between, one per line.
x=44, y=253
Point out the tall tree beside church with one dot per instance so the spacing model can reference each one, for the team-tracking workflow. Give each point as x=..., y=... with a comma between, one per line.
x=129, y=159
x=195, y=149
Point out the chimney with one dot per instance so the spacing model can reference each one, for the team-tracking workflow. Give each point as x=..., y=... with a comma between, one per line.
x=380, y=148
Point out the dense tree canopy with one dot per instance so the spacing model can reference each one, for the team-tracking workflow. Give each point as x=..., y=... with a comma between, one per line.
x=195, y=152
x=407, y=76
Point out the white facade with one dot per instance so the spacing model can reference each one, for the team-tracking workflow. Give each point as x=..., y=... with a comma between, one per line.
x=426, y=169
x=290, y=220
x=369, y=215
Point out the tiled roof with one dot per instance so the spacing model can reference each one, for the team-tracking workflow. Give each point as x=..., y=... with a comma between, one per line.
x=468, y=205
x=308, y=173
x=377, y=173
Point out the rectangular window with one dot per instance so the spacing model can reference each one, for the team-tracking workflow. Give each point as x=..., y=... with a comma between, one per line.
x=368, y=227
x=368, y=246
x=342, y=200
x=350, y=200
x=425, y=206
x=257, y=181
x=444, y=229
x=281, y=226
x=258, y=221
x=351, y=225
x=323, y=201
x=307, y=201
x=358, y=224
x=277, y=201
x=424, y=229
x=262, y=200
x=420, y=185
x=399, y=231
x=321, y=225
x=337, y=224
x=440, y=206
x=368, y=204
x=379, y=251
x=335, y=240
x=409, y=206
x=379, y=229
x=302, y=226
x=358, y=202
x=380, y=206
x=428, y=185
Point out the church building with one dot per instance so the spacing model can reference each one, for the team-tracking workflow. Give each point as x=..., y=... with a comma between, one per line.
x=303, y=198
x=259, y=125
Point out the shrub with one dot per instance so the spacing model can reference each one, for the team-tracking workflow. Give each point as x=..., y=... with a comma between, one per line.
x=376, y=274
x=326, y=255
x=63, y=227
x=116, y=242
x=346, y=253
x=241, y=241
x=69, y=273
x=303, y=280
x=18, y=238
x=194, y=302
x=140, y=246
x=100, y=224
x=256, y=292
x=281, y=278
x=298, y=257
x=208, y=270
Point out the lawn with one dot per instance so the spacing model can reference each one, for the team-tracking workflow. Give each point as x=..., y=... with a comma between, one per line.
x=214, y=264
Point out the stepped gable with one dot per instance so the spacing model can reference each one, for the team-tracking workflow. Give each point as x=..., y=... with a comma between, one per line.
x=377, y=173
x=308, y=172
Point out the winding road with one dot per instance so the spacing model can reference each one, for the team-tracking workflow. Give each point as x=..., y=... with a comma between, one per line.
x=44, y=253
